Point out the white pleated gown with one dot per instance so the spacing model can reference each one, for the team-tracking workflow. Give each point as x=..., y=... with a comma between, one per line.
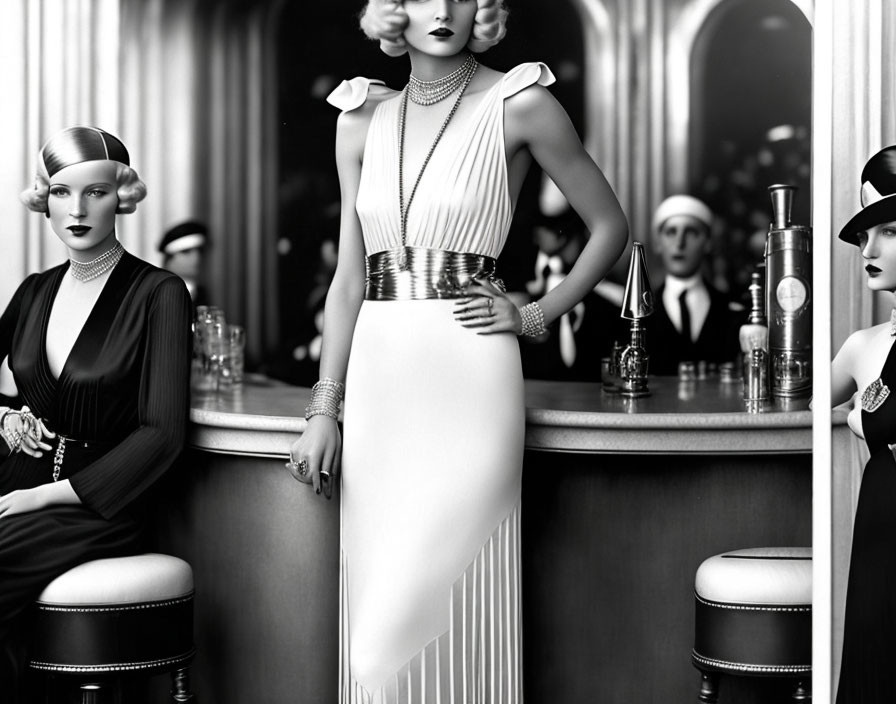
x=433, y=437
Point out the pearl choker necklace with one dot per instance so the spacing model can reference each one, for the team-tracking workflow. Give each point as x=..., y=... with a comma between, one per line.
x=87, y=271
x=431, y=92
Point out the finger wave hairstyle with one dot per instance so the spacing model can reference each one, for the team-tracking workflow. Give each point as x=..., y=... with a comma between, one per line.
x=74, y=145
x=385, y=21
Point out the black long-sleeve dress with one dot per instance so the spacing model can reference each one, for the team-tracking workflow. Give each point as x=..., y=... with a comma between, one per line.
x=869, y=638
x=122, y=401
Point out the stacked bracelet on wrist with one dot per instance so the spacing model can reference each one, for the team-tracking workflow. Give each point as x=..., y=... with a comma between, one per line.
x=12, y=438
x=533, y=320
x=326, y=395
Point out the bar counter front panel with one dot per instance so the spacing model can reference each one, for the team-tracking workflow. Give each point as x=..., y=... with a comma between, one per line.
x=622, y=500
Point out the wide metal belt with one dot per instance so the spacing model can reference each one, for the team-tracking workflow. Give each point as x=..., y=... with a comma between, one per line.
x=418, y=273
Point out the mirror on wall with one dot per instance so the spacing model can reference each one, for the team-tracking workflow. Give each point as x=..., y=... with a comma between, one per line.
x=749, y=127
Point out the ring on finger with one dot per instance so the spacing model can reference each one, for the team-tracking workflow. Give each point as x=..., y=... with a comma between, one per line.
x=300, y=468
x=491, y=304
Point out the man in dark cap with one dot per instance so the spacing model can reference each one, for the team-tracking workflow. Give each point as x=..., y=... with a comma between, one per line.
x=693, y=321
x=183, y=247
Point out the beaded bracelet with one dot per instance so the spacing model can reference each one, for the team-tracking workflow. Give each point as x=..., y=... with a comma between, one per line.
x=326, y=395
x=533, y=320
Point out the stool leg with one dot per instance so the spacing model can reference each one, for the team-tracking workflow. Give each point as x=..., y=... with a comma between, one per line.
x=709, y=687
x=180, y=686
x=802, y=691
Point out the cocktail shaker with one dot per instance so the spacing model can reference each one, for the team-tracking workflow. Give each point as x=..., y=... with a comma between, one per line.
x=788, y=294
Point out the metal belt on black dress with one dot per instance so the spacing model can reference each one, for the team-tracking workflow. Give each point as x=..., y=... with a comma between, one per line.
x=426, y=274
x=63, y=442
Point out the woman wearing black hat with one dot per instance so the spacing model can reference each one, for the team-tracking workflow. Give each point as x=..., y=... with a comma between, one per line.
x=100, y=350
x=867, y=363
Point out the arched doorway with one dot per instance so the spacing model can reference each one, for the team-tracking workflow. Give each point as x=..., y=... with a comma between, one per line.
x=750, y=126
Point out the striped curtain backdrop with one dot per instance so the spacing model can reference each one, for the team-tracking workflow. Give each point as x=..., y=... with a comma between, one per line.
x=189, y=86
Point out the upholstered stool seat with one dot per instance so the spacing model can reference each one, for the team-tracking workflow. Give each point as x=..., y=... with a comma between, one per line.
x=115, y=616
x=754, y=617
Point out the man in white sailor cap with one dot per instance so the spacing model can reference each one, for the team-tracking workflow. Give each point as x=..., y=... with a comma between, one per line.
x=183, y=249
x=694, y=321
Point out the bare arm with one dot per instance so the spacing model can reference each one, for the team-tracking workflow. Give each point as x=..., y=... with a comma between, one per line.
x=347, y=289
x=843, y=380
x=319, y=448
x=534, y=120
x=843, y=386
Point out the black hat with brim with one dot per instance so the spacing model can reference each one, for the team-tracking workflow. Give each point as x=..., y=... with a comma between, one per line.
x=878, y=195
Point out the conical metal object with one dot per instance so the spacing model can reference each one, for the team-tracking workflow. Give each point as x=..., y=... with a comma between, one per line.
x=637, y=301
x=782, y=204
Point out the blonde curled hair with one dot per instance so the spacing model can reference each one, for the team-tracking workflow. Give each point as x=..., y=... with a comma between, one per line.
x=386, y=20
x=131, y=190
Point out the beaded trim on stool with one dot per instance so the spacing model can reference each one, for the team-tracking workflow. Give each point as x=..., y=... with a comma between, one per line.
x=115, y=667
x=139, y=606
x=754, y=607
x=747, y=667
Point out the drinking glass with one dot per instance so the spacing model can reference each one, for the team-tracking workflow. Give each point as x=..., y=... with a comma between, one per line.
x=237, y=335
x=217, y=345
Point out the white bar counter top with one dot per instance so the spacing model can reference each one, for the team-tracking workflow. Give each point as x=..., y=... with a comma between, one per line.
x=263, y=416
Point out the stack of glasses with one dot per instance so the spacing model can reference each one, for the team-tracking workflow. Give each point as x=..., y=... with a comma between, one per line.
x=218, y=350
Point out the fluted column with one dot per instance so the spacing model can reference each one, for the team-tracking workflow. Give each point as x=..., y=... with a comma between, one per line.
x=60, y=67
x=189, y=86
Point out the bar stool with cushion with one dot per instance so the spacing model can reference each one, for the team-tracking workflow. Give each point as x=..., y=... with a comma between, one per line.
x=754, y=617
x=106, y=618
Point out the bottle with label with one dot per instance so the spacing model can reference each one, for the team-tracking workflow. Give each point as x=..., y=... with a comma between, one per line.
x=788, y=294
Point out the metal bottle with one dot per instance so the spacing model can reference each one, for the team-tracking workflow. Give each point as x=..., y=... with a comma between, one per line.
x=788, y=295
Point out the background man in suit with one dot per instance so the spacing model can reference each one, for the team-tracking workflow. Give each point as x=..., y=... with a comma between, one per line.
x=693, y=321
x=577, y=340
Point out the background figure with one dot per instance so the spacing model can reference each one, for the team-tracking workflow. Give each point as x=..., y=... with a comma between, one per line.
x=575, y=343
x=183, y=249
x=693, y=320
x=298, y=362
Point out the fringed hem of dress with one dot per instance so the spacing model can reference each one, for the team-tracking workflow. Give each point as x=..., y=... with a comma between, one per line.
x=477, y=661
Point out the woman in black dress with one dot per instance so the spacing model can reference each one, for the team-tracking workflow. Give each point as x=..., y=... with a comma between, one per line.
x=867, y=363
x=100, y=351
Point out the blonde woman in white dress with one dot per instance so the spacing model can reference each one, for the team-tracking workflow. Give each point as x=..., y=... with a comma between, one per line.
x=422, y=340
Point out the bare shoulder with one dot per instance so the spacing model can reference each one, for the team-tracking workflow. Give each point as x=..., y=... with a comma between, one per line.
x=352, y=125
x=532, y=100
x=867, y=336
x=864, y=346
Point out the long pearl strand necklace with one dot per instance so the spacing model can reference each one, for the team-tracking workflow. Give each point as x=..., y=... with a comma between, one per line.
x=467, y=69
x=87, y=271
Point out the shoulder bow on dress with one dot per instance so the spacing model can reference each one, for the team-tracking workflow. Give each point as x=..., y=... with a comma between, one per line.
x=352, y=94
